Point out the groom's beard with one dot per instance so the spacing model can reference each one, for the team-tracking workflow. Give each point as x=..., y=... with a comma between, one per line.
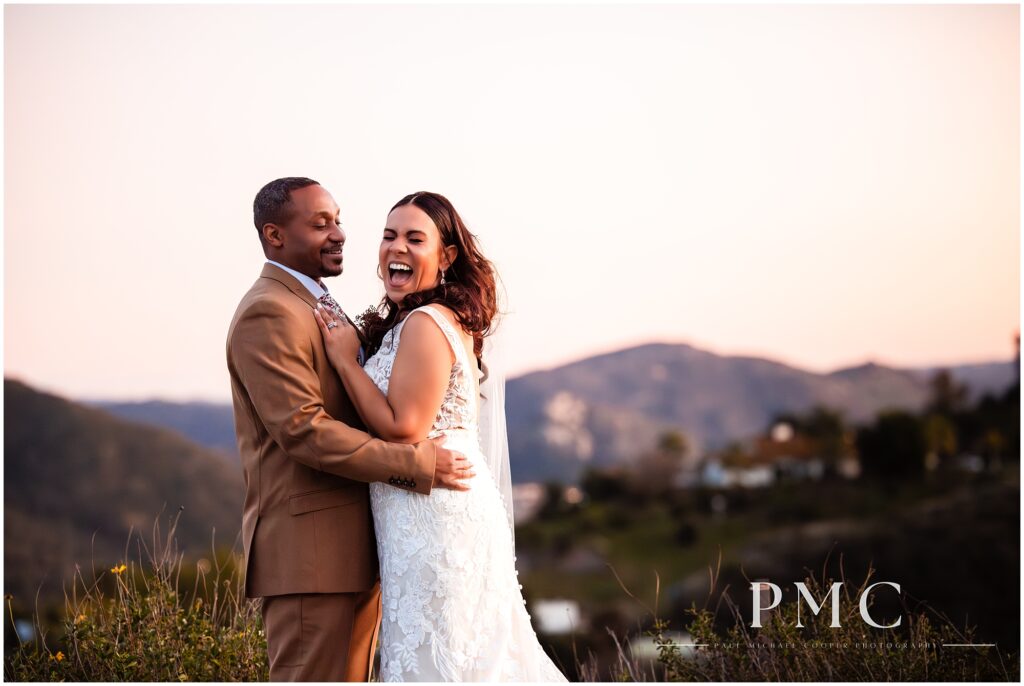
x=332, y=260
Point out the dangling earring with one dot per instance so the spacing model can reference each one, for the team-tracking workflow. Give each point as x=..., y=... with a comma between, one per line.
x=379, y=275
x=442, y=277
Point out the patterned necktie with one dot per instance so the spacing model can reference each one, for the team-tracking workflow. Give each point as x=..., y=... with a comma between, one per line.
x=327, y=301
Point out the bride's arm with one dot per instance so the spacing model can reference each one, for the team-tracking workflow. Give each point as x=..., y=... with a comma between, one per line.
x=419, y=379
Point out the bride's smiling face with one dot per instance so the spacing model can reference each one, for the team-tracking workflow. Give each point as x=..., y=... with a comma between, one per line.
x=411, y=255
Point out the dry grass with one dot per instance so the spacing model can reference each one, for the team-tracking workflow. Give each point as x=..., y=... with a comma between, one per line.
x=157, y=619
x=920, y=649
x=149, y=619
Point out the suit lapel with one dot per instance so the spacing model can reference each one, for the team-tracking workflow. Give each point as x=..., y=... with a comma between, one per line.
x=274, y=272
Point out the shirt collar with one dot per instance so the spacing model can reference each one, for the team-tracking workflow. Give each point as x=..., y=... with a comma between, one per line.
x=312, y=286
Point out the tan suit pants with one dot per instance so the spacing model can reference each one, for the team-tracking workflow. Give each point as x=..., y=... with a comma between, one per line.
x=322, y=636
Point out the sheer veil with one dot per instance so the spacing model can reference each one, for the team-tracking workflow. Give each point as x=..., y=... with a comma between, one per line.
x=493, y=429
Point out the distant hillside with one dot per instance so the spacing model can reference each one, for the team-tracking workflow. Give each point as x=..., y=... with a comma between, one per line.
x=72, y=471
x=208, y=424
x=607, y=408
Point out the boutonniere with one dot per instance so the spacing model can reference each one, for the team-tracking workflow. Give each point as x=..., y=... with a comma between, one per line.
x=368, y=318
x=366, y=323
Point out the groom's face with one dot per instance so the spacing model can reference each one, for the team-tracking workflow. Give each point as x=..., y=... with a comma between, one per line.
x=312, y=240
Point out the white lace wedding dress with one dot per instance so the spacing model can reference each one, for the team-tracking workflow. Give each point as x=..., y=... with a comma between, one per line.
x=453, y=608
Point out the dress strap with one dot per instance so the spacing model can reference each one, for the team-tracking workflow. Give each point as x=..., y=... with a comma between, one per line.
x=449, y=333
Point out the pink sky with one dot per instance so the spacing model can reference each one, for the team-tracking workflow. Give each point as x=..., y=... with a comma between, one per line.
x=820, y=185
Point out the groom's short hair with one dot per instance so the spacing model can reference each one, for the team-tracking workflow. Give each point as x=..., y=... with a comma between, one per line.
x=273, y=204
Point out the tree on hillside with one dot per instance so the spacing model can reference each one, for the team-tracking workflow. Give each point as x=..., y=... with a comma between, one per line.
x=992, y=428
x=553, y=503
x=940, y=436
x=894, y=446
x=947, y=396
x=674, y=443
x=656, y=471
x=826, y=427
x=604, y=484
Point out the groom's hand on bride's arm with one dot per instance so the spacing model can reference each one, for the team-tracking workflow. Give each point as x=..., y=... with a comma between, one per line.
x=451, y=468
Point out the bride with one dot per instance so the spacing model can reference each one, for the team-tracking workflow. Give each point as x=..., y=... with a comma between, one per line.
x=453, y=609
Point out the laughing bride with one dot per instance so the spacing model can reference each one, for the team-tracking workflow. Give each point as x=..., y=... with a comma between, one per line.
x=453, y=608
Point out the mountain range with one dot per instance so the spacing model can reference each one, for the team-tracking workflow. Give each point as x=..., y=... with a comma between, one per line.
x=608, y=408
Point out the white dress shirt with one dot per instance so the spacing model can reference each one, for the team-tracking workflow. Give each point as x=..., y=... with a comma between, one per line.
x=312, y=286
x=317, y=290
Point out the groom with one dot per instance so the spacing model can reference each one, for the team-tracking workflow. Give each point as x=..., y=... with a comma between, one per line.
x=307, y=529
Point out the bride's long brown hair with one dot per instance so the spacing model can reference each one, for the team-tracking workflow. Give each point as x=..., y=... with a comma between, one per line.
x=470, y=281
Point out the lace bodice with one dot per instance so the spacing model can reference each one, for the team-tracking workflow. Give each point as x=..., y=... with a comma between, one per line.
x=459, y=408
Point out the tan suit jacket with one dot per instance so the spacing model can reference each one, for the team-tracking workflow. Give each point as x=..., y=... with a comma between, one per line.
x=306, y=522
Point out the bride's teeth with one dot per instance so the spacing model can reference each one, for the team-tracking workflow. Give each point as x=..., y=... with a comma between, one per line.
x=400, y=267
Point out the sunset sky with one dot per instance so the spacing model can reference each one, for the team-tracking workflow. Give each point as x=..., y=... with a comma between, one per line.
x=819, y=185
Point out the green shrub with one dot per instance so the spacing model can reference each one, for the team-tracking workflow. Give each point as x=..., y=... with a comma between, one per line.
x=136, y=622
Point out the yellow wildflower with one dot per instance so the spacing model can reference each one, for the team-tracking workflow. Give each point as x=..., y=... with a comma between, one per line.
x=58, y=657
x=79, y=619
x=119, y=569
